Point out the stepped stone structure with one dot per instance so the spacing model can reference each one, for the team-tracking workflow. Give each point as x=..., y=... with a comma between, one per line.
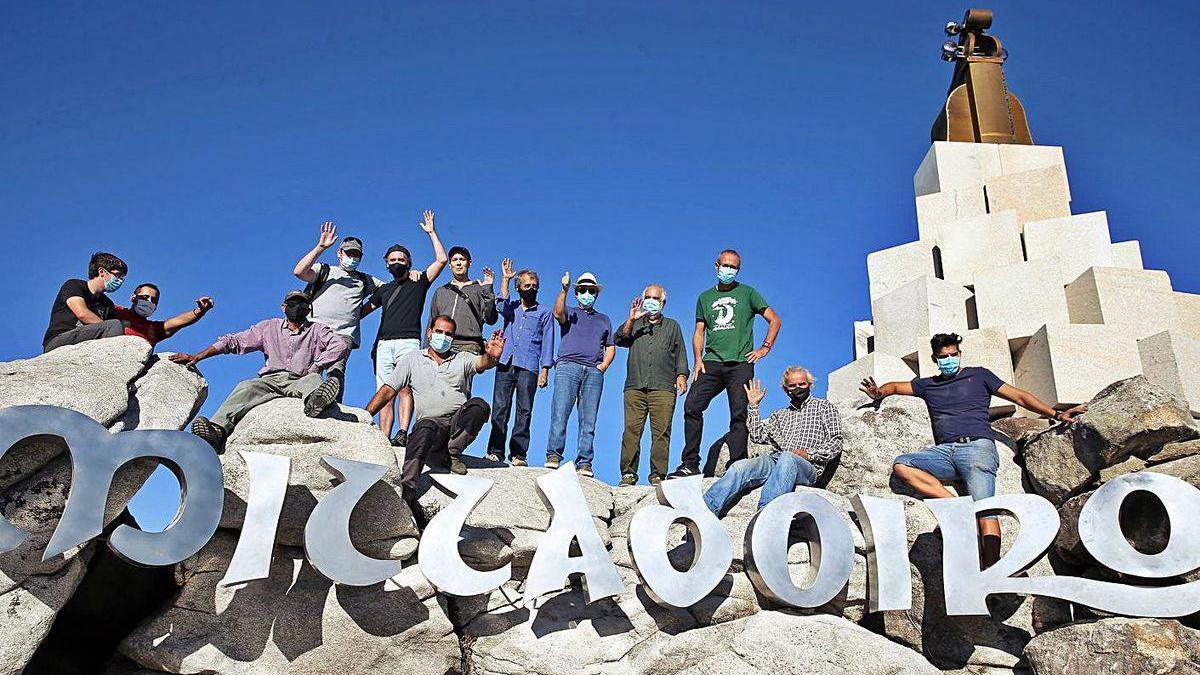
x=1043, y=297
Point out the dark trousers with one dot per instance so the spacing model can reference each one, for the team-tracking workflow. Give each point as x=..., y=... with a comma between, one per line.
x=434, y=439
x=718, y=376
x=659, y=406
x=512, y=382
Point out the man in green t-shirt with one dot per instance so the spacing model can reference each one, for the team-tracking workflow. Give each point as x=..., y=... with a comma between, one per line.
x=723, y=344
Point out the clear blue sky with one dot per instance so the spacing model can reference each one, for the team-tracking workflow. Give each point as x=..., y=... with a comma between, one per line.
x=206, y=143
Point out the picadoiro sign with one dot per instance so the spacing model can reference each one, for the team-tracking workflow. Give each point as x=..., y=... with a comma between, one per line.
x=96, y=455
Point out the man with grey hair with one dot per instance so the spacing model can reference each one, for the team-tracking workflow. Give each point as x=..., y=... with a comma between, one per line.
x=806, y=436
x=656, y=372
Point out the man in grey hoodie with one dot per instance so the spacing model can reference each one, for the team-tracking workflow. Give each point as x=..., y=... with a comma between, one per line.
x=470, y=302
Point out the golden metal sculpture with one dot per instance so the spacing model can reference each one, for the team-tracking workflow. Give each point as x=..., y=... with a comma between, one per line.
x=979, y=107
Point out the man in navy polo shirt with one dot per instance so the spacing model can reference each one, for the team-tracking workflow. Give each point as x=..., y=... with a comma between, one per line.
x=958, y=400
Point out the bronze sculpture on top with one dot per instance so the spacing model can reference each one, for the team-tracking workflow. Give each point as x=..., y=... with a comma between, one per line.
x=979, y=107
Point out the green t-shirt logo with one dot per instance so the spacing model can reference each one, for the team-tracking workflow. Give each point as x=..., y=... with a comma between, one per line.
x=723, y=311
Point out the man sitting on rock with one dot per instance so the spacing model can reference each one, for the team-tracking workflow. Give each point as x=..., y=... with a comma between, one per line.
x=297, y=351
x=82, y=310
x=143, y=304
x=958, y=400
x=806, y=435
x=448, y=418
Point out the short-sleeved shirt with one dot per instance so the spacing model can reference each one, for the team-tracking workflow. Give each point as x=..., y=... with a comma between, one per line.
x=337, y=302
x=728, y=318
x=401, y=318
x=585, y=335
x=62, y=319
x=150, y=331
x=958, y=405
x=437, y=389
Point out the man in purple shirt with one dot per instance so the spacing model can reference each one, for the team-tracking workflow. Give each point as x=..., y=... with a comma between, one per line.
x=586, y=351
x=525, y=364
x=297, y=351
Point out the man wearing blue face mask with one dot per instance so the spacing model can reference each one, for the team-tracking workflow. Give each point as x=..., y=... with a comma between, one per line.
x=82, y=311
x=958, y=399
x=585, y=352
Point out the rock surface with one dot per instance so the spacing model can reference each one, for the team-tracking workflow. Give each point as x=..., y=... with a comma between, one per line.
x=1117, y=646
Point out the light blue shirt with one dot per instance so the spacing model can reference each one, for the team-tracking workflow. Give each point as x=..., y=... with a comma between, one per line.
x=529, y=334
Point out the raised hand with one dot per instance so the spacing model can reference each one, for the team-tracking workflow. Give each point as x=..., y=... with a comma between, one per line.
x=328, y=235
x=427, y=221
x=566, y=280
x=489, y=277
x=870, y=389
x=203, y=304
x=635, y=309
x=506, y=270
x=495, y=346
x=755, y=392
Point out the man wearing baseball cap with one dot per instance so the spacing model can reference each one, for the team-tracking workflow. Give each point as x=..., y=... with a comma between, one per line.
x=584, y=353
x=297, y=351
x=338, y=292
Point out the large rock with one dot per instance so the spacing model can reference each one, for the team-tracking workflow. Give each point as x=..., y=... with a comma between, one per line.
x=1054, y=467
x=874, y=436
x=1134, y=417
x=166, y=396
x=1117, y=646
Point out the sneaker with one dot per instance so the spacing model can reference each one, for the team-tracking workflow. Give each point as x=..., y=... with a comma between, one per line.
x=322, y=397
x=400, y=439
x=628, y=480
x=211, y=433
x=518, y=461
x=655, y=479
x=457, y=466
x=493, y=457
x=684, y=471
x=585, y=470
x=552, y=462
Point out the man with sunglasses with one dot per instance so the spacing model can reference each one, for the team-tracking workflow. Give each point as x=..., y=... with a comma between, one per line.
x=723, y=344
x=82, y=311
x=297, y=351
x=806, y=437
x=958, y=399
x=144, y=302
x=524, y=365
x=656, y=372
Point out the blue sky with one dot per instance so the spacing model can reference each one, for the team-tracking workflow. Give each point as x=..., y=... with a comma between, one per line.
x=205, y=145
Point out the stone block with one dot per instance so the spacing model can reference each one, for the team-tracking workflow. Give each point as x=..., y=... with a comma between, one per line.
x=1171, y=360
x=864, y=338
x=1127, y=254
x=1078, y=242
x=893, y=267
x=938, y=208
x=977, y=244
x=1022, y=298
x=949, y=166
x=1187, y=308
x=1036, y=195
x=916, y=310
x=1137, y=302
x=983, y=347
x=844, y=382
x=1068, y=364
x=1021, y=158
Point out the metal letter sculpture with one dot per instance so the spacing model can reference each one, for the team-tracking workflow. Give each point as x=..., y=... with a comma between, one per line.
x=269, y=476
x=889, y=584
x=831, y=549
x=96, y=455
x=570, y=520
x=679, y=499
x=327, y=542
x=438, y=554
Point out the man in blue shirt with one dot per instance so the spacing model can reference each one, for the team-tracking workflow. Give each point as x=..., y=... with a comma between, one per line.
x=524, y=365
x=958, y=400
x=586, y=351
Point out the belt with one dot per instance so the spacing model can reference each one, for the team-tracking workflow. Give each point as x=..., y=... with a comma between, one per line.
x=968, y=439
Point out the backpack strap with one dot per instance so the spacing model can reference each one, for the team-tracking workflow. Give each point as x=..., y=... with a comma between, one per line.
x=318, y=282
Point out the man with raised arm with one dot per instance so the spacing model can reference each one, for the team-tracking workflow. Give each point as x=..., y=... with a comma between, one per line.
x=723, y=345
x=403, y=301
x=525, y=364
x=958, y=400
x=470, y=302
x=143, y=304
x=448, y=418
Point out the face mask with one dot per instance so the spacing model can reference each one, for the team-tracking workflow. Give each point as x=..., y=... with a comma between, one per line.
x=948, y=365
x=144, y=308
x=350, y=264
x=440, y=342
x=586, y=299
x=725, y=274
x=297, y=313
x=114, y=282
x=651, y=305
x=398, y=270
x=528, y=296
x=798, y=396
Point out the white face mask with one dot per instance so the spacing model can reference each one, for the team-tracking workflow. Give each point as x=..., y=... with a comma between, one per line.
x=144, y=308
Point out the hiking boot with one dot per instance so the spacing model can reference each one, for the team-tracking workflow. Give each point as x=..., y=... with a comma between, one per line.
x=518, y=461
x=552, y=462
x=457, y=466
x=493, y=457
x=684, y=471
x=322, y=397
x=211, y=433
x=628, y=480
x=400, y=439
x=585, y=470
x=655, y=479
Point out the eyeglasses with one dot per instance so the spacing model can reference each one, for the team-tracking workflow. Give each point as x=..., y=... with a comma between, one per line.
x=147, y=297
x=653, y=297
x=587, y=289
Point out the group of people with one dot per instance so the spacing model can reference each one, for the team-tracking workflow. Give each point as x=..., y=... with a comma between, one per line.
x=425, y=364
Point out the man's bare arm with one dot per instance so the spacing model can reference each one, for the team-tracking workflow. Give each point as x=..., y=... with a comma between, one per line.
x=303, y=269
x=80, y=309
x=439, y=252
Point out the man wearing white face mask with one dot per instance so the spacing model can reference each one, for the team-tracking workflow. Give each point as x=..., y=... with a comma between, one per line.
x=144, y=303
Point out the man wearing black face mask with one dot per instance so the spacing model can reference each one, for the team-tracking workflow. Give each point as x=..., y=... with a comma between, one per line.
x=806, y=435
x=297, y=351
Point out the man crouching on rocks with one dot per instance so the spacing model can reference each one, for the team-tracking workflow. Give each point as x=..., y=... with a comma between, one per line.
x=448, y=418
x=958, y=400
x=297, y=351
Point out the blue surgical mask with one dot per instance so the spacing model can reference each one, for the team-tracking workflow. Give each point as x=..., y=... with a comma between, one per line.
x=948, y=365
x=586, y=299
x=725, y=274
x=350, y=264
x=651, y=305
x=440, y=342
x=114, y=282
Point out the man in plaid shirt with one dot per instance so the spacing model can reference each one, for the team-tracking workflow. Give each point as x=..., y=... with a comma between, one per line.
x=806, y=435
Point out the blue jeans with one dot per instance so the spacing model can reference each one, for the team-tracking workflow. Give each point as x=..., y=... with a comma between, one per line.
x=574, y=384
x=512, y=380
x=779, y=472
x=973, y=463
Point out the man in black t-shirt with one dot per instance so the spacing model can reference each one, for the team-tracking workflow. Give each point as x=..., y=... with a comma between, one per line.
x=81, y=310
x=965, y=448
x=400, y=328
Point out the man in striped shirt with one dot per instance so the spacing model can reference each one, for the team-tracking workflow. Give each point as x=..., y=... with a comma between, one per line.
x=806, y=437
